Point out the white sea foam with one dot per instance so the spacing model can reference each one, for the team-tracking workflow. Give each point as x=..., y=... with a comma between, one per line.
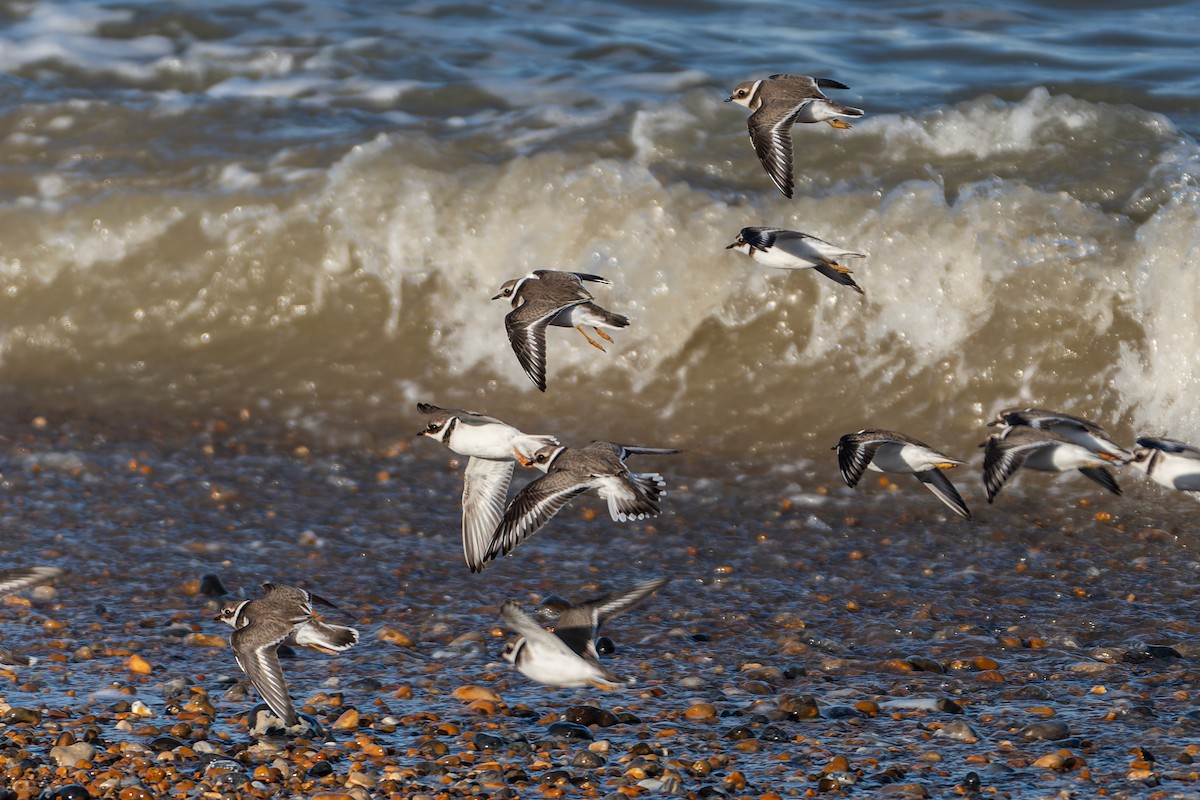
x=68, y=34
x=981, y=288
x=986, y=126
x=1159, y=377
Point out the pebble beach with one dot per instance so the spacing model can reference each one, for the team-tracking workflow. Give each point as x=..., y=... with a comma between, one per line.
x=809, y=644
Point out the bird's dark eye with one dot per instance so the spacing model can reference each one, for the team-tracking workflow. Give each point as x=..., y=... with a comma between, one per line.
x=742, y=93
x=434, y=427
x=541, y=458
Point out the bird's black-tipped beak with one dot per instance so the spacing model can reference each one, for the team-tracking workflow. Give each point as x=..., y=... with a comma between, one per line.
x=729, y=99
x=731, y=246
x=497, y=297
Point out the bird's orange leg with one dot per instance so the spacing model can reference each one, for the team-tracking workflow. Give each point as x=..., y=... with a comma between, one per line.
x=591, y=341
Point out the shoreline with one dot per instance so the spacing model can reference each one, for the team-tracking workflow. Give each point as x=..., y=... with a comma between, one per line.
x=927, y=645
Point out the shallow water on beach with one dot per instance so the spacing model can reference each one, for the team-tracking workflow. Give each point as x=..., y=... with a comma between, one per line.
x=855, y=587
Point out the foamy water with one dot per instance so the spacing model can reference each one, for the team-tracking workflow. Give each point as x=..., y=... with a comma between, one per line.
x=305, y=214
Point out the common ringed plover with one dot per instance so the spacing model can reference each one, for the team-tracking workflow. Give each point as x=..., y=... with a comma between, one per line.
x=783, y=249
x=285, y=614
x=16, y=580
x=776, y=103
x=567, y=656
x=570, y=471
x=549, y=297
x=1037, y=448
x=1073, y=429
x=492, y=448
x=19, y=579
x=891, y=451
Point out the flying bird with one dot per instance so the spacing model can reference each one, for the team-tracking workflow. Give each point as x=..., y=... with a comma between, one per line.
x=569, y=472
x=492, y=448
x=549, y=297
x=285, y=614
x=777, y=103
x=567, y=655
x=891, y=451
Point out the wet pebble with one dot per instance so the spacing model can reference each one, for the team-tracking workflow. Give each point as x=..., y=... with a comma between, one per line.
x=488, y=741
x=363, y=779
x=908, y=791
x=843, y=712
x=587, y=759
x=590, y=715
x=948, y=706
x=470, y=693
x=17, y=715
x=1139, y=653
x=569, y=730
x=348, y=720
x=1190, y=719
x=924, y=664
x=771, y=733
x=70, y=755
x=799, y=708
x=139, y=665
x=1050, y=730
x=212, y=586
x=958, y=730
x=72, y=791
x=395, y=637
x=1060, y=761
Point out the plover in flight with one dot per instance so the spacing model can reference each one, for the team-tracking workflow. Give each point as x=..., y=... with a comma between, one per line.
x=285, y=614
x=890, y=451
x=549, y=297
x=567, y=656
x=16, y=580
x=598, y=467
x=22, y=578
x=776, y=103
x=1169, y=462
x=784, y=249
x=492, y=448
x=1041, y=449
x=1073, y=429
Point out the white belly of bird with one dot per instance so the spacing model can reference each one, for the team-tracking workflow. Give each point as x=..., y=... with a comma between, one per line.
x=1062, y=458
x=778, y=259
x=818, y=110
x=494, y=442
x=556, y=668
x=904, y=458
x=582, y=314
